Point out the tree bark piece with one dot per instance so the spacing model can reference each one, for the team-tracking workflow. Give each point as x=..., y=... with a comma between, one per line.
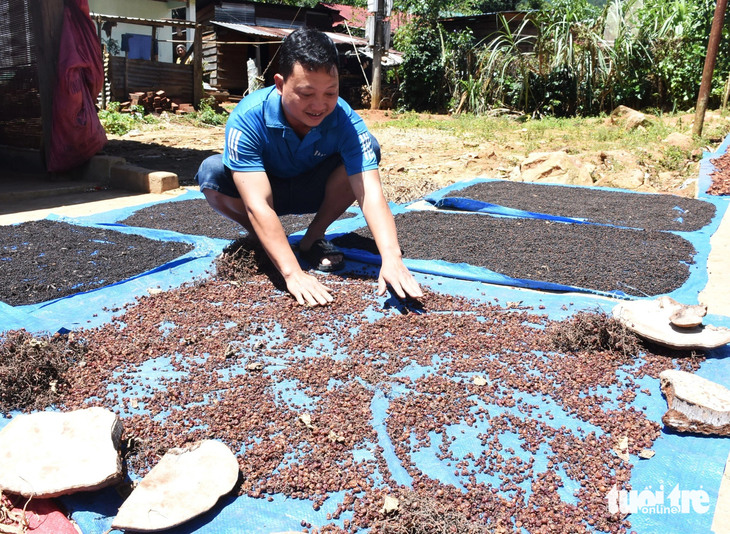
x=650, y=319
x=696, y=405
x=187, y=482
x=47, y=454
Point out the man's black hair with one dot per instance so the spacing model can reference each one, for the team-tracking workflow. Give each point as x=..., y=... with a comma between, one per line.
x=309, y=47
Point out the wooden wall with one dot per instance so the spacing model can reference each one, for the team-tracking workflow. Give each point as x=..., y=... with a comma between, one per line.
x=132, y=75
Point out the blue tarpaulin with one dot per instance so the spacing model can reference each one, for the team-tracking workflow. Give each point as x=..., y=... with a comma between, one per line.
x=691, y=462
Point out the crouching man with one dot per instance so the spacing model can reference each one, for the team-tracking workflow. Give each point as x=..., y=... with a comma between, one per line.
x=297, y=148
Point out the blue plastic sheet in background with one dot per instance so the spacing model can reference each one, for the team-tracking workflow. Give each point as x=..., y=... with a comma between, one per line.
x=96, y=307
x=687, y=293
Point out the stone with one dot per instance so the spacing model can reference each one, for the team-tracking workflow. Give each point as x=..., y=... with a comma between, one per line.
x=187, y=482
x=688, y=316
x=134, y=178
x=554, y=167
x=630, y=118
x=650, y=319
x=631, y=180
x=696, y=405
x=678, y=140
x=47, y=454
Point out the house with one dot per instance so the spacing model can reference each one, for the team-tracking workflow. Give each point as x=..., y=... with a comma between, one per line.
x=20, y=102
x=488, y=26
x=356, y=17
x=140, y=37
x=241, y=41
x=152, y=10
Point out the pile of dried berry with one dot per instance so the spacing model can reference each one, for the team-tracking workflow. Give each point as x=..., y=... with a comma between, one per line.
x=294, y=391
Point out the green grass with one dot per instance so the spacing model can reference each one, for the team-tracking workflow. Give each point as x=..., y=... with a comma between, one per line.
x=573, y=134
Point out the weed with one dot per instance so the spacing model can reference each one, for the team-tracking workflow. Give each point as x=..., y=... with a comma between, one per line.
x=674, y=159
x=117, y=123
x=207, y=114
x=32, y=369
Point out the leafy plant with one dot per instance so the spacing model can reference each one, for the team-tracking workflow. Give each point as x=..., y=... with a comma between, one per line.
x=117, y=123
x=207, y=114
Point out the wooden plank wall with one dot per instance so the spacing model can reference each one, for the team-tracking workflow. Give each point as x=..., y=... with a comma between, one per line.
x=132, y=75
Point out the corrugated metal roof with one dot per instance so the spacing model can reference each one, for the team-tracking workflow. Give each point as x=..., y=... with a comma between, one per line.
x=393, y=57
x=279, y=33
x=251, y=30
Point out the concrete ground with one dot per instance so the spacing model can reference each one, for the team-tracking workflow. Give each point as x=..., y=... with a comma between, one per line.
x=30, y=197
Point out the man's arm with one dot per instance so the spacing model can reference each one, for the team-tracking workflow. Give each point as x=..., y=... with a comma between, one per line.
x=369, y=193
x=256, y=194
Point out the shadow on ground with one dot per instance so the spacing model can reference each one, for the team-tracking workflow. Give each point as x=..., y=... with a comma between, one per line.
x=182, y=161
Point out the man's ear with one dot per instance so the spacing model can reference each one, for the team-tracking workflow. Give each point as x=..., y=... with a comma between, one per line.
x=279, y=81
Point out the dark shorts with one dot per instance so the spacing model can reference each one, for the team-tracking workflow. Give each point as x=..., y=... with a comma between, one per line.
x=301, y=194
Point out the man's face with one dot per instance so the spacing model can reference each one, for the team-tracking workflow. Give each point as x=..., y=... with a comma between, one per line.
x=307, y=96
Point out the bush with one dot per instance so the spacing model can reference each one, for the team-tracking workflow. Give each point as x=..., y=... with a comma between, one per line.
x=434, y=62
x=654, y=58
x=207, y=114
x=117, y=123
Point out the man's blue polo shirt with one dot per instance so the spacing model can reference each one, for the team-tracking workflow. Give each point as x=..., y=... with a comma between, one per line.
x=259, y=138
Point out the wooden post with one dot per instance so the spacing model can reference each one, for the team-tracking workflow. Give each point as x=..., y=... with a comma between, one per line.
x=377, y=54
x=153, y=56
x=198, y=66
x=710, y=59
x=103, y=61
x=47, y=17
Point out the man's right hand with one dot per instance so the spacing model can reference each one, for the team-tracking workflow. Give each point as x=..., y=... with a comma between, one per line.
x=307, y=289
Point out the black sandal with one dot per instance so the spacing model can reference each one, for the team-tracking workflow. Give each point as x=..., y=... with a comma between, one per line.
x=320, y=249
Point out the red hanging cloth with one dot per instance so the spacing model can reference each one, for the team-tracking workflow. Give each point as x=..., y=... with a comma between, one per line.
x=77, y=131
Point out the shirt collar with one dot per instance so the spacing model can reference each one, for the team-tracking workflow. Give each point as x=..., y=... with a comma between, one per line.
x=273, y=112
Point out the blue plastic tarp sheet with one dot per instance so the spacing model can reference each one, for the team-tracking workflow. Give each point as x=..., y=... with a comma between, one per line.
x=688, y=462
x=687, y=293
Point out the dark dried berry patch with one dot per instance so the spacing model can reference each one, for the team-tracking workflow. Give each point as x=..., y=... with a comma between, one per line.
x=45, y=260
x=646, y=211
x=601, y=258
x=196, y=217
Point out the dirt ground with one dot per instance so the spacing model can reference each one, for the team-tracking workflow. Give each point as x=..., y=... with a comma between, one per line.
x=427, y=152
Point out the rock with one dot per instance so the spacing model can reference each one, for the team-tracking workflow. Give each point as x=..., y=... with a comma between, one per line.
x=631, y=180
x=555, y=167
x=630, y=118
x=695, y=404
x=678, y=140
x=636, y=120
x=650, y=319
x=187, y=482
x=47, y=454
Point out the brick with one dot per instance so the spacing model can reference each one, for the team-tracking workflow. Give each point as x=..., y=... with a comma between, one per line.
x=143, y=180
